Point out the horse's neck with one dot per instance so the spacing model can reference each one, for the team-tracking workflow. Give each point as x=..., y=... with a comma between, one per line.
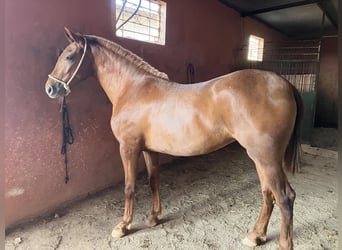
x=113, y=73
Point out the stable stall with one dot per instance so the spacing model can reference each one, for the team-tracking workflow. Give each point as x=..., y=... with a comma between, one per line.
x=183, y=41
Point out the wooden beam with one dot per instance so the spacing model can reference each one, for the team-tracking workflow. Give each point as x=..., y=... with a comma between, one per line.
x=329, y=15
x=280, y=7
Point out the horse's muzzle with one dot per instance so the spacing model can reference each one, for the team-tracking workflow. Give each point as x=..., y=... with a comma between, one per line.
x=54, y=91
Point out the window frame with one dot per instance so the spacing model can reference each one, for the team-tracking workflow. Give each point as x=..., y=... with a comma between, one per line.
x=144, y=13
x=255, y=48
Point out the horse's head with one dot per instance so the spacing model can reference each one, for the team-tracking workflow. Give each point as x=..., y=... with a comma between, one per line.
x=71, y=64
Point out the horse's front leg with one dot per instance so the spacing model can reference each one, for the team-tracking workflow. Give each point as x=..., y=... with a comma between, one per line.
x=152, y=165
x=129, y=156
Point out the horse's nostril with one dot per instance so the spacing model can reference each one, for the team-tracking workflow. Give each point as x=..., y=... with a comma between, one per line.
x=50, y=90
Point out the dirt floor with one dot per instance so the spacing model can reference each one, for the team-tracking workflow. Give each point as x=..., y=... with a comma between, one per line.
x=209, y=202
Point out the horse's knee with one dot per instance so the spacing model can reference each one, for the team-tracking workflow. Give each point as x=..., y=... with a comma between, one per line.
x=129, y=190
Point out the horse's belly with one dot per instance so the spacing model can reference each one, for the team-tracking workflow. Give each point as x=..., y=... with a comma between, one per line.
x=188, y=142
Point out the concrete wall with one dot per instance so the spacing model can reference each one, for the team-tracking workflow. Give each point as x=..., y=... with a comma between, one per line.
x=34, y=169
x=205, y=33
x=327, y=90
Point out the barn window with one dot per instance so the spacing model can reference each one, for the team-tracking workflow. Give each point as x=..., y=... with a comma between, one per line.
x=255, y=48
x=142, y=20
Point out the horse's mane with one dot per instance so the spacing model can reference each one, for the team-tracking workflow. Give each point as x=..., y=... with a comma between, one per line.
x=128, y=55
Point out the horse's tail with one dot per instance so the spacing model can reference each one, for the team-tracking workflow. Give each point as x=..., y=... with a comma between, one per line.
x=293, y=151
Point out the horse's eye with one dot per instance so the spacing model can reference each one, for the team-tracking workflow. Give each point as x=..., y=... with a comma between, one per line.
x=70, y=57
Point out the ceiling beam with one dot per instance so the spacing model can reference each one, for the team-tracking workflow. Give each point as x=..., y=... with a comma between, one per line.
x=329, y=15
x=280, y=7
x=231, y=6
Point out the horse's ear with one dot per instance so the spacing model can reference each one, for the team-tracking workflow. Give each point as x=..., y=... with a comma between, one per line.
x=73, y=37
x=69, y=35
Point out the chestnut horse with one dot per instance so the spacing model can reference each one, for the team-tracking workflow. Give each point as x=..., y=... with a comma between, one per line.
x=151, y=114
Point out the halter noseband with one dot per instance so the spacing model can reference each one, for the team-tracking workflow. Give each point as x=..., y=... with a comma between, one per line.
x=66, y=84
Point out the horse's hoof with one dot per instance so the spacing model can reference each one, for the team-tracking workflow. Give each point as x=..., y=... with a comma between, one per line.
x=248, y=242
x=153, y=221
x=120, y=231
x=117, y=233
x=256, y=241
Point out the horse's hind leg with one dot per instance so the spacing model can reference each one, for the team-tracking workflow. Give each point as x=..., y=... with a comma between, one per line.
x=285, y=200
x=275, y=186
x=152, y=164
x=258, y=235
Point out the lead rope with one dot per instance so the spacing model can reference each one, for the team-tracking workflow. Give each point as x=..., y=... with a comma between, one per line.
x=68, y=137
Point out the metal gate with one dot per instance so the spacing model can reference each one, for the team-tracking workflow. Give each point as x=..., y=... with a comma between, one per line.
x=298, y=62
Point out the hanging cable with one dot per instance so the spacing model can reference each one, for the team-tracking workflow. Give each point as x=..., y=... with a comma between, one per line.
x=121, y=10
x=130, y=17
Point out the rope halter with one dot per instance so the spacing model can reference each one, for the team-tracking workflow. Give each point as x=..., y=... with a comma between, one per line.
x=66, y=84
